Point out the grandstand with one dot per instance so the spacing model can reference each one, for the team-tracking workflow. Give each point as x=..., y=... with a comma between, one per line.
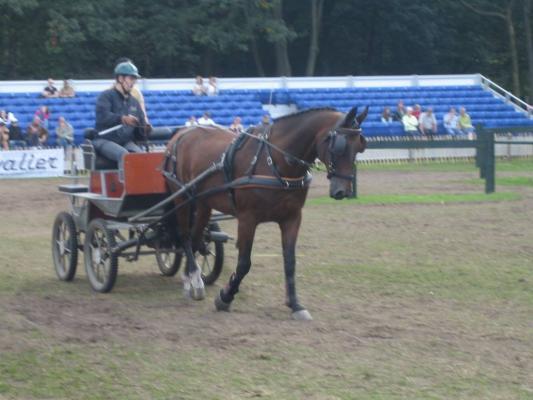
x=170, y=102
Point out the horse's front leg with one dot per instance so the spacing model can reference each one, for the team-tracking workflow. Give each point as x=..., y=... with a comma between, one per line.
x=289, y=235
x=245, y=238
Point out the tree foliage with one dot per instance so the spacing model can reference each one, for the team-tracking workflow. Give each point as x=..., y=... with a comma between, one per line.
x=180, y=38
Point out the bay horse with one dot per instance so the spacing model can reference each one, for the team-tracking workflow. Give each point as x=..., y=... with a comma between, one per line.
x=258, y=177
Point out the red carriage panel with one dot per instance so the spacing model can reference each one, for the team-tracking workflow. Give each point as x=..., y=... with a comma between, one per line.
x=142, y=174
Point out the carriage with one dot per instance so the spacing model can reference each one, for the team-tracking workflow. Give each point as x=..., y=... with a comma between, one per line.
x=122, y=214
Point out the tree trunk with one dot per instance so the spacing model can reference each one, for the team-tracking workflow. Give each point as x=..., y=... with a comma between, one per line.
x=283, y=65
x=257, y=57
x=253, y=41
x=513, y=49
x=529, y=47
x=207, y=62
x=507, y=16
x=316, y=20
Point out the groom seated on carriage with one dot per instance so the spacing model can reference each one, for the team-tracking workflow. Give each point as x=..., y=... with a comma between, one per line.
x=120, y=119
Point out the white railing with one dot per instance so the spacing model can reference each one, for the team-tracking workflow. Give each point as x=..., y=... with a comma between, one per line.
x=74, y=160
x=281, y=82
x=507, y=96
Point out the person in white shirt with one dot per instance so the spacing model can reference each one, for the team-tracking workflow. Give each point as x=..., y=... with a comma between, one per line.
x=428, y=123
x=451, y=122
x=410, y=123
x=199, y=89
x=191, y=121
x=206, y=119
x=236, y=126
x=212, y=86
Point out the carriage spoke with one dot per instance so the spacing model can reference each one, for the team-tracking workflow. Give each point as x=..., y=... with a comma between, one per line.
x=205, y=262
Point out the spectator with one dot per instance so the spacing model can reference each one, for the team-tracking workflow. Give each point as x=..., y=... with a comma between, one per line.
x=410, y=123
x=3, y=117
x=428, y=123
x=465, y=123
x=191, y=121
x=4, y=136
x=417, y=110
x=451, y=122
x=117, y=108
x=43, y=113
x=212, y=86
x=386, y=116
x=206, y=119
x=15, y=133
x=135, y=92
x=236, y=125
x=199, y=89
x=64, y=132
x=50, y=90
x=399, y=112
x=7, y=117
x=36, y=134
x=67, y=90
x=265, y=120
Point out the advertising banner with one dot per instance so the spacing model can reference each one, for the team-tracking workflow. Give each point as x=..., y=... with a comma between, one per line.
x=32, y=163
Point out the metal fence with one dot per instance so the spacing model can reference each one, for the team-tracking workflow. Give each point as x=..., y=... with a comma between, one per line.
x=485, y=147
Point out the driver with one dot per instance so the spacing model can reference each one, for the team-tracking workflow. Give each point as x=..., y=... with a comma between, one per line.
x=116, y=106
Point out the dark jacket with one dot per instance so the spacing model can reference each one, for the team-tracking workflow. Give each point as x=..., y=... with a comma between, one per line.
x=110, y=107
x=15, y=133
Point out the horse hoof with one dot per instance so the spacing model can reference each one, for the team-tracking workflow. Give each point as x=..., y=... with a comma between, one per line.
x=197, y=293
x=302, y=315
x=221, y=305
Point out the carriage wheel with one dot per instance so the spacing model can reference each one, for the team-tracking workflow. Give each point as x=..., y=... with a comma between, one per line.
x=168, y=261
x=212, y=259
x=101, y=264
x=65, y=246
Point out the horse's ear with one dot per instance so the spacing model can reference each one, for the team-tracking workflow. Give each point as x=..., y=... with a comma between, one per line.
x=361, y=117
x=349, y=118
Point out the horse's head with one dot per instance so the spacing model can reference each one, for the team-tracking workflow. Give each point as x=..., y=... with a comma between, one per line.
x=337, y=151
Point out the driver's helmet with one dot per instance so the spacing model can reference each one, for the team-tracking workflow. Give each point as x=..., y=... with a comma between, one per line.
x=127, y=68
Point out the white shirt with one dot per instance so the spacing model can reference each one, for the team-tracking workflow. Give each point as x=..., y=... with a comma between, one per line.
x=427, y=121
x=451, y=121
x=212, y=90
x=410, y=123
x=205, y=121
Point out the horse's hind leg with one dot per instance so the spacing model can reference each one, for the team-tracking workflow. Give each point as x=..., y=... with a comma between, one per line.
x=289, y=234
x=203, y=214
x=193, y=284
x=245, y=239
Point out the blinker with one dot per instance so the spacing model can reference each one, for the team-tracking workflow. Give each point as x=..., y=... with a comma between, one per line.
x=338, y=144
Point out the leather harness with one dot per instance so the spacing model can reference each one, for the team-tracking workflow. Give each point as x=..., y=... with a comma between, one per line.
x=249, y=179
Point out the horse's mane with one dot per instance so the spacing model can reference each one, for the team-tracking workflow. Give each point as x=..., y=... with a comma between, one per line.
x=298, y=113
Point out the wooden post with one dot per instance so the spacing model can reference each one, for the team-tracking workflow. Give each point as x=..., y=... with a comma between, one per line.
x=479, y=132
x=354, y=181
x=490, y=163
x=481, y=151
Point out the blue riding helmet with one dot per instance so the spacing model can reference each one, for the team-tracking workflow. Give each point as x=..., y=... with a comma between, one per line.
x=127, y=68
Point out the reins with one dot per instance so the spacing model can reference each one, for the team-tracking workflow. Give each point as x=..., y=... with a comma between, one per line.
x=264, y=139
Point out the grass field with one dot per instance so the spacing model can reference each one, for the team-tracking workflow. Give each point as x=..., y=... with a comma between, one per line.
x=422, y=289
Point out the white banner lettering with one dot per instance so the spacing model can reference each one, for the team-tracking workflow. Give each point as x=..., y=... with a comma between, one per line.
x=32, y=163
